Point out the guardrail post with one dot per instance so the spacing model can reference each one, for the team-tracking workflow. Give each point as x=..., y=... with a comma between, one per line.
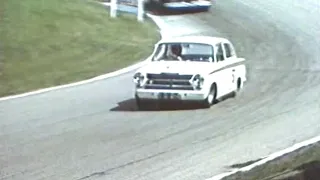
x=113, y=8
x=140, y=14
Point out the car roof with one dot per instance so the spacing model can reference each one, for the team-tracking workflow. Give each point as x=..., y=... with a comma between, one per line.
x=194, y=39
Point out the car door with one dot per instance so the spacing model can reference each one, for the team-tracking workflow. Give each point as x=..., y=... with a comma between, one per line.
x=222, y=75
x=230, y=69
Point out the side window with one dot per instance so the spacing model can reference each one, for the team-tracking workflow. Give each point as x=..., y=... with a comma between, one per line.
x=227, y=49
x=219, y=54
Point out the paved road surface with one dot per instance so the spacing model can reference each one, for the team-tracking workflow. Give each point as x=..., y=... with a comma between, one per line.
x=81, y=133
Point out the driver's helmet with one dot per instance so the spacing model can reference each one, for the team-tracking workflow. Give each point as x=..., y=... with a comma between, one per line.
x=176, y=49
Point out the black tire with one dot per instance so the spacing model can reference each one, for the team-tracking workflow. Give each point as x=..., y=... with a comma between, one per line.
x=143, y=104
x=212, y=97
x=239, y=86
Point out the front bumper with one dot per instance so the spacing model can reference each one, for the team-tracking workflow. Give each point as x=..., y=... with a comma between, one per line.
x=179, y=95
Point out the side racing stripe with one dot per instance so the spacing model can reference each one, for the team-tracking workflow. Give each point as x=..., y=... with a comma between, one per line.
x=238, y=63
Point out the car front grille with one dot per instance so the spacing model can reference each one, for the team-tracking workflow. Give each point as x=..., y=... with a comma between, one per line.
x=169, y=81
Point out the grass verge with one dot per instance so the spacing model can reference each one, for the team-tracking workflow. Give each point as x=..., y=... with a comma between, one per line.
x=45, y=43
x=303, y=164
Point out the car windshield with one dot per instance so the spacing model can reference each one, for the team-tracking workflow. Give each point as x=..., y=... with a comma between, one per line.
x=183, y=52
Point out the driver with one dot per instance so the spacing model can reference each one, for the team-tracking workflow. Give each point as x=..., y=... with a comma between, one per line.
x=175, y=52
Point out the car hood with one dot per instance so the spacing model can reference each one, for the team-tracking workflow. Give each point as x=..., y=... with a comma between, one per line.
x=181, y=67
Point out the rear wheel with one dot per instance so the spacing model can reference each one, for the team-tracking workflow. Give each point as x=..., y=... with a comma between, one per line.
x=211, y=98
x=238, y=88
x=239, y=84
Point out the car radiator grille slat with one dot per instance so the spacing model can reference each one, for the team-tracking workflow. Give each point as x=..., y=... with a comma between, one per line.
x=169, y=81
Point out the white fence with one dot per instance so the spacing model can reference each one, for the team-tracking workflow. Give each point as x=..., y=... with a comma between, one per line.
x=140, y=7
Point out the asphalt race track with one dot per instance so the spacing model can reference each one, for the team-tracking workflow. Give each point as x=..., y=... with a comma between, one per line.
x=81, y=132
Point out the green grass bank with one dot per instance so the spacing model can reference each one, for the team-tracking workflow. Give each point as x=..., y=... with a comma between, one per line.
x=45, y=43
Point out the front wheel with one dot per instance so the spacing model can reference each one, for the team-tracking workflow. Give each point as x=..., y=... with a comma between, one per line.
x=143, y=104
x=211, y=98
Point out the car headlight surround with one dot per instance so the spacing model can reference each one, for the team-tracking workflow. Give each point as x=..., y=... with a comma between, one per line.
x=197, y=81
x=138, y=79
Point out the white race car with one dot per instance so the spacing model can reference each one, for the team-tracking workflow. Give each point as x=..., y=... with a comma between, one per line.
x=190, y=68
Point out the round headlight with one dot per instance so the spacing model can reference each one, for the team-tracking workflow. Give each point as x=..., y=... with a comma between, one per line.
x=197, y=81
x=138, y=79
